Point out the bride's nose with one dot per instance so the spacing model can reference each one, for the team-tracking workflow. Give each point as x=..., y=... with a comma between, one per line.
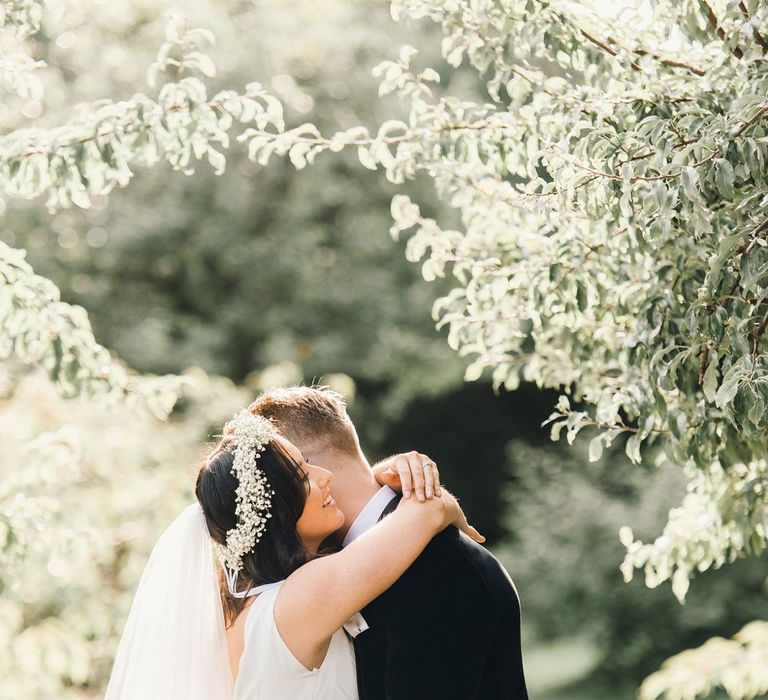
x=325, y=476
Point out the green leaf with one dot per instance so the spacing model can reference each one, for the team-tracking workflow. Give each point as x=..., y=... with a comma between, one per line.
x=474, y=371
x=727, y=391
x=724, y=178
x=366, y=159
x=595, y=448
x=632, y=449
x=710, y=378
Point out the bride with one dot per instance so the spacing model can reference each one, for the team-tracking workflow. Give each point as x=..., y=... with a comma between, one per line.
x=267, y=514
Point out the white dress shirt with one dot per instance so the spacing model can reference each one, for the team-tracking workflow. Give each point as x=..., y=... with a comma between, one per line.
x=370, y=514
x=367, y=518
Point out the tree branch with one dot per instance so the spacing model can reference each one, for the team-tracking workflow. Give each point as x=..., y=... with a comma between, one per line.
x=640, y=178
x=703, y=364
x=759, y=38
x=606, y=48
x=759, y=333
x=712, y=19
x=750, y=122
x=642, y=52
x=671, y=62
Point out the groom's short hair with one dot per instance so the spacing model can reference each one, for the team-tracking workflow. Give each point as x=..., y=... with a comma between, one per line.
x=305, y=415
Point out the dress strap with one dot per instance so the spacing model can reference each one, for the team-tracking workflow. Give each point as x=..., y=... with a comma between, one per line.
x=231, y=575
x=259, y=589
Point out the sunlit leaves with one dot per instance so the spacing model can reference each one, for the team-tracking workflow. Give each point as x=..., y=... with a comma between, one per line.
x=23, y=16
x=95, y=151
x=633, y=275
x=722, y=517
x=740, y=665
x=612, y=200
x=17, y=75
x=39, y=329
x=80, y=508
x=182, y=51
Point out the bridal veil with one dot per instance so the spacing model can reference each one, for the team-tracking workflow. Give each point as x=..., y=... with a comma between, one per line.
x=174, y=645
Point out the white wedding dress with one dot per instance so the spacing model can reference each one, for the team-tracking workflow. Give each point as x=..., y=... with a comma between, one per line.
x=269, y=671
x=174, y=644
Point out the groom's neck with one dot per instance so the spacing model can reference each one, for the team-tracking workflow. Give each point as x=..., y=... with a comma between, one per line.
x=353, y=484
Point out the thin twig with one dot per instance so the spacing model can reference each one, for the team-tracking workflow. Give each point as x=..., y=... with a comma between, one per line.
x=703, y=364
x=759, y=334
x=749, y=123
x=671, y=62
x=643, y=52
x=607, y=48
x=671, y=176
x=636, y=178
x=712, y=19
x=648, y=154
x=759, y=38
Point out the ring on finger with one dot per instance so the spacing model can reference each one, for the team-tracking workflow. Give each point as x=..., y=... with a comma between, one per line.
x=426, y=465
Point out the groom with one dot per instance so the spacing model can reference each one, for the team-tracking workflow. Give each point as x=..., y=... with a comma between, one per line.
x=449, y=628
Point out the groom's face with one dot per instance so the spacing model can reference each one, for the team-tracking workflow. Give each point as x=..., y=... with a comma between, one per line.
x=319, y=451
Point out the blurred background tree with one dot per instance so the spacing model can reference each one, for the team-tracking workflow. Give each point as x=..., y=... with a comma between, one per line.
x=269, y=276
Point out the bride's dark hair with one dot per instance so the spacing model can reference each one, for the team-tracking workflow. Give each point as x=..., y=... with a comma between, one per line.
x=280, y=550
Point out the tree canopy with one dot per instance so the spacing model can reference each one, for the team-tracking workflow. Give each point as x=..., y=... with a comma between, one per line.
x=610, y=240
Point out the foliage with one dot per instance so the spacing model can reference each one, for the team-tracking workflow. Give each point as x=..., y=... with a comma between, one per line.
x=89, y=156
x=610, y=269
x=611, y=200
x=738, y=665
x=43, y=331
x=562, y=553
x=70, y=556
x=17, y=70
x=719, y=511
x=249, y=269
x=22, y=15
x=92, y=153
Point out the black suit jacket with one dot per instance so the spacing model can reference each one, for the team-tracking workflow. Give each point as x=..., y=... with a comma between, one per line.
x=447, y=629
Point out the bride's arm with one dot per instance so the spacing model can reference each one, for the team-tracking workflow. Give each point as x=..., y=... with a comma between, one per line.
x=318, y=598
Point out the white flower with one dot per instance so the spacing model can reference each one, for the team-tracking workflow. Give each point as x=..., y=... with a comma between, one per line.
x=253, y=495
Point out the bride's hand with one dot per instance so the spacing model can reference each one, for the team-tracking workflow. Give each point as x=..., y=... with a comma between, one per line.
x=456, y=517
x=450, y=513
x=409, y=472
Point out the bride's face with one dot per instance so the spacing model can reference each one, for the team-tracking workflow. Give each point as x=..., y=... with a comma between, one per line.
x=321, y=516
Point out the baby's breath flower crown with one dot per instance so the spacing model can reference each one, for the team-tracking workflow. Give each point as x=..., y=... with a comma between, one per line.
x=253, y=496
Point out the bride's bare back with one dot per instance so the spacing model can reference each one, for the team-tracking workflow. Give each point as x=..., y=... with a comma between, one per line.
x=236, y=640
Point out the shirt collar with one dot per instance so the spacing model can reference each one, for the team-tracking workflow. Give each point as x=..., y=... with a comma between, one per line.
x=370, y=514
